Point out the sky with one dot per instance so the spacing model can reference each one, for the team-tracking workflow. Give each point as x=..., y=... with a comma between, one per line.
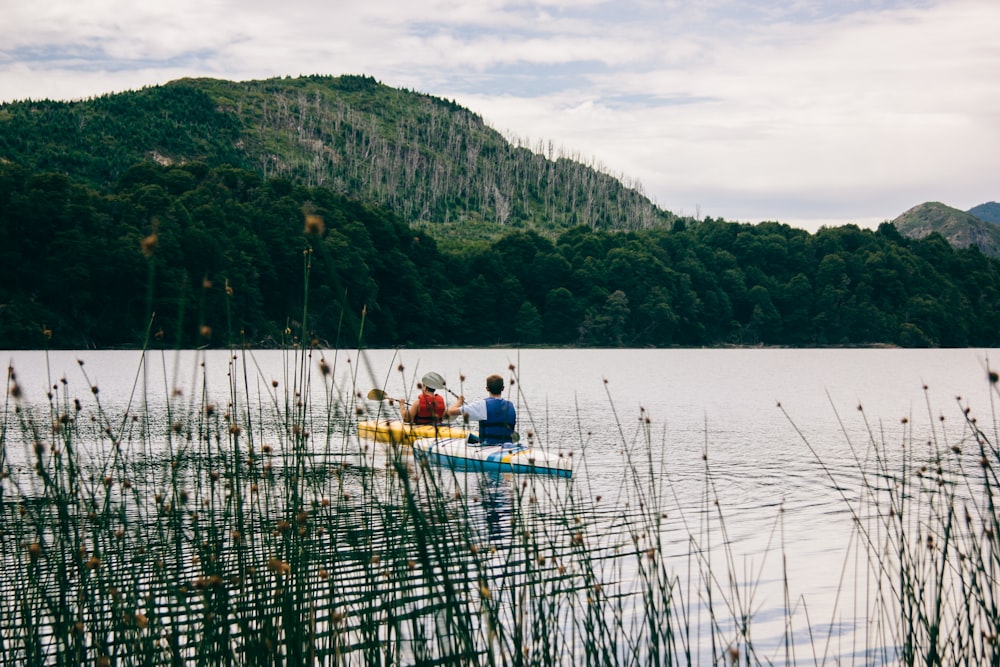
x=805, y=112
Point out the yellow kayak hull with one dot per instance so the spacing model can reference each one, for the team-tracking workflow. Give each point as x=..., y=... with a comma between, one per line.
x=401, y=433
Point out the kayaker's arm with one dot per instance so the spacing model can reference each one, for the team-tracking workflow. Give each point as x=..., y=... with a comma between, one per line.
x=455, y=408
x=405, y=412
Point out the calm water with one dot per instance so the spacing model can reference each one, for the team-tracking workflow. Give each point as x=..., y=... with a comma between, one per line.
x=705, y=424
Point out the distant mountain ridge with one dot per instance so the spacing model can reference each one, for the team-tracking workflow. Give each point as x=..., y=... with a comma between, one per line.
x=961, y=229
x=988, y=212
x=424, y=158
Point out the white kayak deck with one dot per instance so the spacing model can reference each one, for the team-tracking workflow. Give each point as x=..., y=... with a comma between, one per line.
x=460, y=454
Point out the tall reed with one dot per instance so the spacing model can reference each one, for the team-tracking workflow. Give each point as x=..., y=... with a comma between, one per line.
x=247, y=525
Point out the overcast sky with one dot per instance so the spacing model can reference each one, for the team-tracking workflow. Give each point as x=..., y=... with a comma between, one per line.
x=803, y=111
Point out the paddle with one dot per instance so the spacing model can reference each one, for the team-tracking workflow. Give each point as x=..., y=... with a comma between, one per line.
x=377, y=395
x=435, y=382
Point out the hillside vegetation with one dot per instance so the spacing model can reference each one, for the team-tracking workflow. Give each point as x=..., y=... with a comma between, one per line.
x=184, y=256
x=961, y=229
x=419, y=156
x=338, y=211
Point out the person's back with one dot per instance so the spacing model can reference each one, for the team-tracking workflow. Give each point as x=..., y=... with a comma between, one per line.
x=429, y=408
x=500, y=422
x=496, y=415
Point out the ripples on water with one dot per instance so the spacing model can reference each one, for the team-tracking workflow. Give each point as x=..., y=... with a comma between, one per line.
x=721, y=476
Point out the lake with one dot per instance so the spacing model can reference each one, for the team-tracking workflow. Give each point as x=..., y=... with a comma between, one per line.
x=761, y=460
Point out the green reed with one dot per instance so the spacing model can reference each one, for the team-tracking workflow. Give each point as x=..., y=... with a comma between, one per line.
x=926, y=524
x=259, y=530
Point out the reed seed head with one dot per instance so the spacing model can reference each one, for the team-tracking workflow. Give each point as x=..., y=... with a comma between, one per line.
x=278, y=566
x=314, y=224
x=148, y=245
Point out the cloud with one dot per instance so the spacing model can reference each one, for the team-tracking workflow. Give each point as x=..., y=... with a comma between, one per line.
x=773, y=110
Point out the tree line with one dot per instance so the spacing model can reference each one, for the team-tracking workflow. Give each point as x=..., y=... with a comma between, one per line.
x=192, y=255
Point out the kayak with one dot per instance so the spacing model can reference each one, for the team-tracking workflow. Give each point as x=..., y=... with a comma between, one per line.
x=401, y=433
x=460, y=454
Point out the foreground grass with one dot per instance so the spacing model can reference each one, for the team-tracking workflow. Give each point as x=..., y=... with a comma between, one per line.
x=254, y=529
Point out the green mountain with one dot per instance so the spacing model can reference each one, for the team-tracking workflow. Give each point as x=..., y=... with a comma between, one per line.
x=189, y=255
x=340, y=212
x=989, y=212
x=428, y=160
x=959, y=228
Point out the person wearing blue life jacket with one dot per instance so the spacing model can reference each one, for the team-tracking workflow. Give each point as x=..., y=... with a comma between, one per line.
x=496, y=415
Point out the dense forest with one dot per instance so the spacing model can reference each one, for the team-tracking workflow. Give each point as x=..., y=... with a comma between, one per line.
x=421, y=157
x=184, y=256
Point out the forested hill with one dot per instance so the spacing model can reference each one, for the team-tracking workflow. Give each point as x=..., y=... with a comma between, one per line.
x=184, y=256
x=419, y=156
x=263, y=213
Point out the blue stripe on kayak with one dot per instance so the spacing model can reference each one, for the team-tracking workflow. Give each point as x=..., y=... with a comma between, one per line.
x=494, y=463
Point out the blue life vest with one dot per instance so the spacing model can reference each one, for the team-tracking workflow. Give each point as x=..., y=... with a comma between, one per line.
x=501, y=417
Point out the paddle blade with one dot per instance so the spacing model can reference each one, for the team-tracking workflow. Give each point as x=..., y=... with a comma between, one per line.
x=433, y=381
x=377, y=395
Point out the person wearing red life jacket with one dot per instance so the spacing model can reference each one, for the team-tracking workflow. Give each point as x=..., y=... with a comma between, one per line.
x=429, y=408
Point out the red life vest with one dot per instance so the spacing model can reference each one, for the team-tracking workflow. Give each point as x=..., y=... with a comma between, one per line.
x=430, y=409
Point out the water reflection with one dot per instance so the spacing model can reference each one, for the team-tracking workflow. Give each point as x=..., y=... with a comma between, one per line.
x=496, y=497
x=732, y=486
